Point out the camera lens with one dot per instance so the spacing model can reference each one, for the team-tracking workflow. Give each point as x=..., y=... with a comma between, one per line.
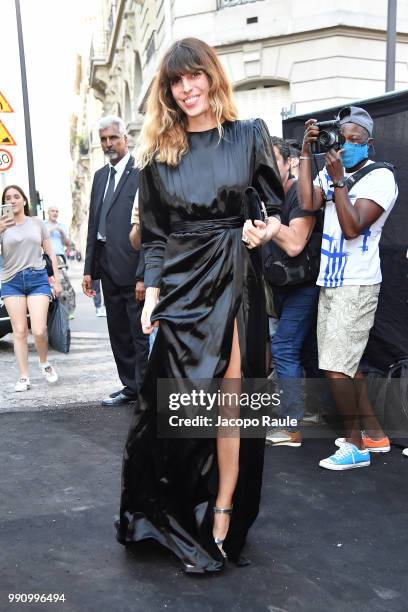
x=327, y=138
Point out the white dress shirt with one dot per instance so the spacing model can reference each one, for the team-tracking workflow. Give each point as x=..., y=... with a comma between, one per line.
x=120, y=168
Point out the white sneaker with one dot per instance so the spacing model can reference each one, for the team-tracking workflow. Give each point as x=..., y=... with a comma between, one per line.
x=49, y=373
x=282, y=437
x=23, y=384
x=405, y=452
x=101, y=311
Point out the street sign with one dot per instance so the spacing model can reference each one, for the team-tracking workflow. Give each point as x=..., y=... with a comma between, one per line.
x=4, y=105
x=6, y=160
x=5, y=136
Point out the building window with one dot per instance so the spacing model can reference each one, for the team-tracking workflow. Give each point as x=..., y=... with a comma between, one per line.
x=112, y=15
x=263, y=98
x=150, y=47
x=224, y=3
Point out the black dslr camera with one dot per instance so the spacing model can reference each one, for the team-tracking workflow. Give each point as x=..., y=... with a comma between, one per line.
x=329, y=136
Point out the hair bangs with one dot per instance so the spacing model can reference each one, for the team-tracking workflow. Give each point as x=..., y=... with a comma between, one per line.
x=183, y=59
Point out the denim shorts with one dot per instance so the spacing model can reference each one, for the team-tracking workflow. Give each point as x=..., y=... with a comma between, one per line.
x=27, y=282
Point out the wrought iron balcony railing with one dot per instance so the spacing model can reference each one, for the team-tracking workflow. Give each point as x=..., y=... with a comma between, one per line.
x=224, y=3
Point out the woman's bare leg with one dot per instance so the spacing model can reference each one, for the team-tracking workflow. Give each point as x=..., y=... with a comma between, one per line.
x=16, y=307
x=38, y=309
x=228, y=446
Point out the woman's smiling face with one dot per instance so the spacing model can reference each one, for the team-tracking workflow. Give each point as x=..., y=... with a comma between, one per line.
x=190, y=92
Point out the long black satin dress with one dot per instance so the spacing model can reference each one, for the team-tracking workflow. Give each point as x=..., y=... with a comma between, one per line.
x=192, y=222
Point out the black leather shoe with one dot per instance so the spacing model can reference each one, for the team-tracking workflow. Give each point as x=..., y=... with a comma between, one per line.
x=118, y=400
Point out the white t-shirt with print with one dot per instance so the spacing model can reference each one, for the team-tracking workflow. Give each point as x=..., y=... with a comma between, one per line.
x=356, y=261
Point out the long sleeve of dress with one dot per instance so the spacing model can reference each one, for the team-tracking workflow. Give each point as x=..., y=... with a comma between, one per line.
x=154, y=217
x=266, y=179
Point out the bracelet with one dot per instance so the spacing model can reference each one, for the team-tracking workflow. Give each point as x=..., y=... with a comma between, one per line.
x=304, y=157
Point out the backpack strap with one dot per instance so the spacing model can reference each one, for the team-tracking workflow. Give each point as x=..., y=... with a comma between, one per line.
x=357, y=176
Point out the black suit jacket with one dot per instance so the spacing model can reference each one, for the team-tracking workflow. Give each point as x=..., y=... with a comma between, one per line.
x=122, y=257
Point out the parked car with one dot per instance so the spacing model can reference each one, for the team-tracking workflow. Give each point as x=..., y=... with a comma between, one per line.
x=5, y=324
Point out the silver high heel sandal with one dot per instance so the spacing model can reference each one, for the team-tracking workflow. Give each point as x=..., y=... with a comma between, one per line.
x=220, y=541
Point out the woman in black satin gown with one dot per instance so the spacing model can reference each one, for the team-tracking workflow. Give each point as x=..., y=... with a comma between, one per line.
x=198, y=497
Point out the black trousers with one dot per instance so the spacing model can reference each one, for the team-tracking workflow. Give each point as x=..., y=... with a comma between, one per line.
x=130, y=346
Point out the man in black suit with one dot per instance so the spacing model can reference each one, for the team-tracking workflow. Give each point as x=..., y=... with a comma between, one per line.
x=111, y=257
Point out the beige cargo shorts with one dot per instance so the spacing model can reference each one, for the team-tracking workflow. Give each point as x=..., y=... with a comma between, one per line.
x=345, y=317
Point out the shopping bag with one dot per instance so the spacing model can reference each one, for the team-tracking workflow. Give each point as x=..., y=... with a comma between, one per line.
x=388, y=392
x=59, y=334
x=396, y=423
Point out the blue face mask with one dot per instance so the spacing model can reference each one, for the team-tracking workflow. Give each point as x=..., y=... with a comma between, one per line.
x=353, y=153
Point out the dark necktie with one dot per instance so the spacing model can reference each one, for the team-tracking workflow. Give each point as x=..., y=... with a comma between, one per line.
x=107, y=200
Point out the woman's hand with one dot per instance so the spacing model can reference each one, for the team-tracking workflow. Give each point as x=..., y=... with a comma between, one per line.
x=5, y=223
x=151, y=300
x=260, y=233
x=57, y=289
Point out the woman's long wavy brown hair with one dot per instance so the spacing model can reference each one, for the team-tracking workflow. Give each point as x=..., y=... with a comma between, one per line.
x=163, y=136
x=27, y=210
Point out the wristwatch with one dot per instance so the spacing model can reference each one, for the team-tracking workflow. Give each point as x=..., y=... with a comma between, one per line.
x=340, y=183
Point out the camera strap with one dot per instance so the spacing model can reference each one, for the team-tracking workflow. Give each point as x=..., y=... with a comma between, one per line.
x=357, y=176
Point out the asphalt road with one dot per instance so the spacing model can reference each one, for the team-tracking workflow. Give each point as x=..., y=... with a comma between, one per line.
x=324, y=541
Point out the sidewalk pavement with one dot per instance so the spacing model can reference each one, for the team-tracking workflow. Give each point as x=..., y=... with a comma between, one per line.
x=86, y=374
x=324, y=541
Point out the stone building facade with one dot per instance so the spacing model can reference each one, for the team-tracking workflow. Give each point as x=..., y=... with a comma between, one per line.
x=282, y=57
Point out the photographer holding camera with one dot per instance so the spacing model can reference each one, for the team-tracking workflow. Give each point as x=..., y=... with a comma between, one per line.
x=358, y=195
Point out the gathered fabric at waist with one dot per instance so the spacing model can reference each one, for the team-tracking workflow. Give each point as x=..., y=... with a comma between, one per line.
x=207, y=225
